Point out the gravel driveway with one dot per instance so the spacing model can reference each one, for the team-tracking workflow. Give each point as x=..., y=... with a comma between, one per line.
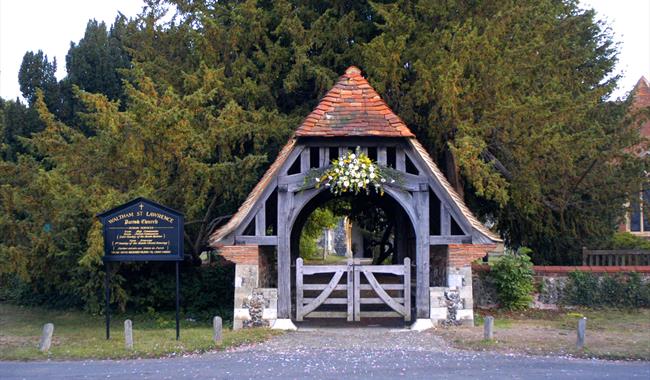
x=355, y=353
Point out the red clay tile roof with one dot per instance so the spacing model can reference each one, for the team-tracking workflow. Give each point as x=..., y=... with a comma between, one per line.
x=641, y=100
x=641, y=93
x=352, y=108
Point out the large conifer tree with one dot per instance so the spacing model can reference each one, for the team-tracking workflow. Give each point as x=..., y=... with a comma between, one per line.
x=509, y=96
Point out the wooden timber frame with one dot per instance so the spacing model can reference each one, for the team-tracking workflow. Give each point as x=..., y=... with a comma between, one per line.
x=413, y=194
x=271, y=213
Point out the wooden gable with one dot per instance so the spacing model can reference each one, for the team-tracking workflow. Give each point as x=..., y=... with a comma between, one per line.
x=352, y=114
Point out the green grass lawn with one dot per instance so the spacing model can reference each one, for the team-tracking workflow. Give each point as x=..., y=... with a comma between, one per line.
x=611, y=333
x=78, y=335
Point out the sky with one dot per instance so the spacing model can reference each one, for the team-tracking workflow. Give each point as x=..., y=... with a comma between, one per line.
x=50, y=26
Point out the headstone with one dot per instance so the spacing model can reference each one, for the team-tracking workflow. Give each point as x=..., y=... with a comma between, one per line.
x=582, y=327
x=488, y=328
x=128, y=334
x=217, y=326
x=46, y=338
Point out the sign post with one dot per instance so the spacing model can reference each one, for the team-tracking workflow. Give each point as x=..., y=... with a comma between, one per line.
x=142, y=230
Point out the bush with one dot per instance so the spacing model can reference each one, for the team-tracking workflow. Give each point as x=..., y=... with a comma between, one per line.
x=582, y=289
x=626, y=240
x=513, y=278
x=620, y=290
x=206, y=291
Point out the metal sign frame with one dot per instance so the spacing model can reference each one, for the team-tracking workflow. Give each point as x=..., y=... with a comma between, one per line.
x=140, y=222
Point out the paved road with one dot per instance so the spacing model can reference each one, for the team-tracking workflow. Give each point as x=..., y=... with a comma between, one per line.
x=345, y=354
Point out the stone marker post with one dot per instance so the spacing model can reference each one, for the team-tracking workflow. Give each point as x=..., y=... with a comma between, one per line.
x=128, y=334
x=217, y=326
x=46, y=338
x=582, y=327
x=488, y=328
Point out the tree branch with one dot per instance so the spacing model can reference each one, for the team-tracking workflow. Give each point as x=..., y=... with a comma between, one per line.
x=500, y=167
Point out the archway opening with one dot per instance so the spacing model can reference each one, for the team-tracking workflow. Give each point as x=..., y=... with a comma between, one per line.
x=375, y=229
x=376, y=249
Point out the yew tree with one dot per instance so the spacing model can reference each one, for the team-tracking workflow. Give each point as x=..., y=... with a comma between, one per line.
x=191, y=101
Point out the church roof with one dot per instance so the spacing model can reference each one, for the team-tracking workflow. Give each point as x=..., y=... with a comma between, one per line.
x=641, y=93
x=641, y=100
x=352, y=108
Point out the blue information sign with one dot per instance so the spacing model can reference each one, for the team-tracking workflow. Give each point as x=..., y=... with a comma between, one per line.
x=142, y=230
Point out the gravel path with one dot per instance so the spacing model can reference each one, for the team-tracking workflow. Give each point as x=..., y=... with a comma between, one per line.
x=335, y=354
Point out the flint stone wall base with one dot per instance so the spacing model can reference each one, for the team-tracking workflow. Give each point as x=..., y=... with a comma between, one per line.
x=453, y=304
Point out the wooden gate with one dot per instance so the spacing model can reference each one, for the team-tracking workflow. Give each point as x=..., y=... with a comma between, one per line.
x=350, y=291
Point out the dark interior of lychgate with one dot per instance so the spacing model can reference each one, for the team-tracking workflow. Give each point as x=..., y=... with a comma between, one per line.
x=401, y=244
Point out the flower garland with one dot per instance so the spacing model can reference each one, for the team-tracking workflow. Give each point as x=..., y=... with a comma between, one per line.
x=353, y=173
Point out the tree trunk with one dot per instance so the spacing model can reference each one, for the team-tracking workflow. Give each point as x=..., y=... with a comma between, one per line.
x=452, y=171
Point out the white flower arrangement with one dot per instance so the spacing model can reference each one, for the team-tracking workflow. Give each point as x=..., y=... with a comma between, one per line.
x=353, y=173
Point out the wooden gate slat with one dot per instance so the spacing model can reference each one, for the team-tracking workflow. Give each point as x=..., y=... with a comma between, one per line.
x=327, y=314
x=407, y=289
x=299, y=289
x=322, y=287
x=377, y=300
x=382, y=293
x=384, y=286
x=328, y=301
x=350, y=284
x=357, y=293
x=380, y=314
x=323, y=296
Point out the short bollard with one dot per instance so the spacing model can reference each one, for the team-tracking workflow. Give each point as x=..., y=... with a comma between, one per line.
x=46, y=338
x=128, y=334
x=582, y=327
x=488, y=327
x=217, y=326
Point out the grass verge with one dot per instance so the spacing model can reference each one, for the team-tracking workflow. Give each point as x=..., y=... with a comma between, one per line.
x=78, y=335
x=611, y=333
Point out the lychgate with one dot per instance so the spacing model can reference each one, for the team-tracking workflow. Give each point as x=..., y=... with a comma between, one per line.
x=434, y=236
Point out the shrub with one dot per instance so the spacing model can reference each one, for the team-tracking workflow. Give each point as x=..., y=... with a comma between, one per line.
x=582, y=289
x=206, y=291
x=620, y=290
x=626, y=240
x=513, y=278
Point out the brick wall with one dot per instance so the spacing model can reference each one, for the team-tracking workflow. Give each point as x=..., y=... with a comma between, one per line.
x=241, y=254
x=461, y=255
